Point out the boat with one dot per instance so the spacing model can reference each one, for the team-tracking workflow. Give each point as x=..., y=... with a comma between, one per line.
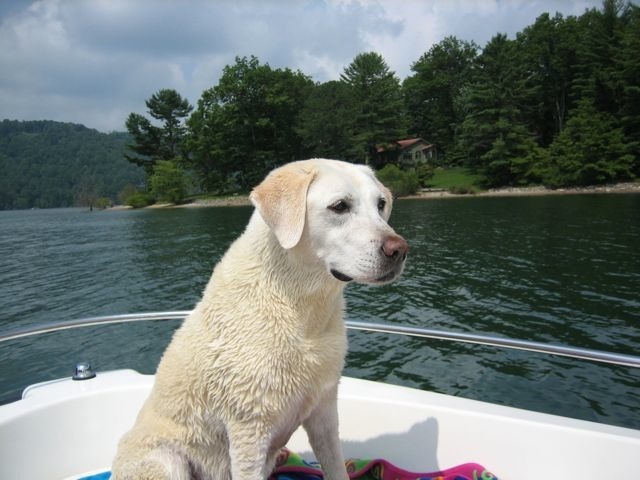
x=68, y=428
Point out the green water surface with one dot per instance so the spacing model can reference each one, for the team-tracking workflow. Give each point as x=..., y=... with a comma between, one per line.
x=559, y=269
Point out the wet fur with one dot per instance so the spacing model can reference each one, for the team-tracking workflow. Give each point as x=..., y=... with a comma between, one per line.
x=261, y=353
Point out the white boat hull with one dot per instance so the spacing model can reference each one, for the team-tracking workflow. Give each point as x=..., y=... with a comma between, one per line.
x=63, y=429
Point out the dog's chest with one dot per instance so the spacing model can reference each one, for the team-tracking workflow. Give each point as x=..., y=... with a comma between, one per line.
x=308, y=364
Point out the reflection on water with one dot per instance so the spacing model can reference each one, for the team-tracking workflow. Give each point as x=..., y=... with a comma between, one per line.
x=553, y=269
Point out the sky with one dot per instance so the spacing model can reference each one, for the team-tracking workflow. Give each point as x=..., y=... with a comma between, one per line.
x=95, y=61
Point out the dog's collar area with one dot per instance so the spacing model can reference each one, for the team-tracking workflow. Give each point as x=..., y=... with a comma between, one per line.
x=340, y=276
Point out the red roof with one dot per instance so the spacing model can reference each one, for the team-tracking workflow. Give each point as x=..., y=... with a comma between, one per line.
x=408, y=142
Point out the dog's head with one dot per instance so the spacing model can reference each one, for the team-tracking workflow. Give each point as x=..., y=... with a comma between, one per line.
x=339, y=212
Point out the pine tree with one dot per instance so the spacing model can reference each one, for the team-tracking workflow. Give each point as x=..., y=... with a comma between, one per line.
x=590, y=150
x=509, y=161
x=430, y=93
x=379, y=116
x=493, y=134
x=326, y=121
x=629, y=78
x=546, y=62
x=152, y=143
x=598, y=49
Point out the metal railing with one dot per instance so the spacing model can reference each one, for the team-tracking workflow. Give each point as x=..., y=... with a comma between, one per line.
x=514, y=344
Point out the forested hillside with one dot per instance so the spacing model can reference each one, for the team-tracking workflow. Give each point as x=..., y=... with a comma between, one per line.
x=47, y=164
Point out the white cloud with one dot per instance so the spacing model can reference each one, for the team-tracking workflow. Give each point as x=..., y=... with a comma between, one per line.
x=319, y=66
x=419, y=30
x=93, y=62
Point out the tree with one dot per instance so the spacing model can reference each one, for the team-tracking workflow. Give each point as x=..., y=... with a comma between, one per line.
x=547, y=63
x=492, y=134
x=400, y=182
x=168, y=182
x=430, y=93
x=629, y=78
x=590, y=150
x=326, y=123
x=511, y=158
x=598, y=54
x=152, y=143
x=246, y=125
x=379, y=116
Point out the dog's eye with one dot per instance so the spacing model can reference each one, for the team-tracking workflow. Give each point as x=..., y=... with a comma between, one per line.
x=381, y=204
x=339, y=207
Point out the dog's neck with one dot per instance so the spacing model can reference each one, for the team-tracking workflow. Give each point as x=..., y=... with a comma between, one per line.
x=261, y=272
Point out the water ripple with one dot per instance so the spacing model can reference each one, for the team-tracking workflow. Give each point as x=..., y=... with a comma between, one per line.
x=564, y=270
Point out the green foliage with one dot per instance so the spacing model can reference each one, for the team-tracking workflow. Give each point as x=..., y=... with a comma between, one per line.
x=559, y=105
x=509, y=159
x=598, y=49
x=542, y=62
x=127, y=191
x=512, y=112
x=326, y=124
x=492, y=133
x=140, y=200
x=102, y=203
x=378, y=109
x=628, y=77
x=246, y=125
x=400, y=182
x=146, y=138
x=431, y=92
x=424, y=173
x=47, y=164
x=590, y=150
x=547, y=107
x=168, y=182
x=152, y=143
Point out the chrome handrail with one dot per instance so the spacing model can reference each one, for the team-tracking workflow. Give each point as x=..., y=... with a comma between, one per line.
x=514, y=344
x=31, y=330
x=510, y=343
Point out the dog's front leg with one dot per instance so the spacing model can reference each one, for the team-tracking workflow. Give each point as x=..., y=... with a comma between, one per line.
x=248, y=448
x=322, y=429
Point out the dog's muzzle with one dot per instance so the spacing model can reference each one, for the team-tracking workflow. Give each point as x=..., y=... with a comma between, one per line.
x=394, y=251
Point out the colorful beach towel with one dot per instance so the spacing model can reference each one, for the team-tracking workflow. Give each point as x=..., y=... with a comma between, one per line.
x=291, y=466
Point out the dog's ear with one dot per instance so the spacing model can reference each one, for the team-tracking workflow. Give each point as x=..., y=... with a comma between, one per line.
x=281, y=199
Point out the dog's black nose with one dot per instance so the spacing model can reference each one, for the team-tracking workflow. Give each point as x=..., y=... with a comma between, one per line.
x=396, y=247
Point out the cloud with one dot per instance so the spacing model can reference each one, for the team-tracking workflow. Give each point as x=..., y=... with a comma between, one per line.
x=94, y=62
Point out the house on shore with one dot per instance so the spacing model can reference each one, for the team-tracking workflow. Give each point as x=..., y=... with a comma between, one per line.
x=408, y=153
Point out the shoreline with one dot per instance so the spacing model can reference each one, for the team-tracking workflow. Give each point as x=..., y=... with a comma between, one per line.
x=243, y=200
x=231, y=201
x=628, y=187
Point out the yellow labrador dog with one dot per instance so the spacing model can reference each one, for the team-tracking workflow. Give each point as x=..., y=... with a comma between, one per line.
x=263, y=350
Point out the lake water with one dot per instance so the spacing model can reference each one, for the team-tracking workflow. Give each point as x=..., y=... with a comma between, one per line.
x=559, y=269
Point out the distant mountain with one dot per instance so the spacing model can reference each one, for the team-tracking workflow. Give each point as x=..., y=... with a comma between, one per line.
x=48, y=164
